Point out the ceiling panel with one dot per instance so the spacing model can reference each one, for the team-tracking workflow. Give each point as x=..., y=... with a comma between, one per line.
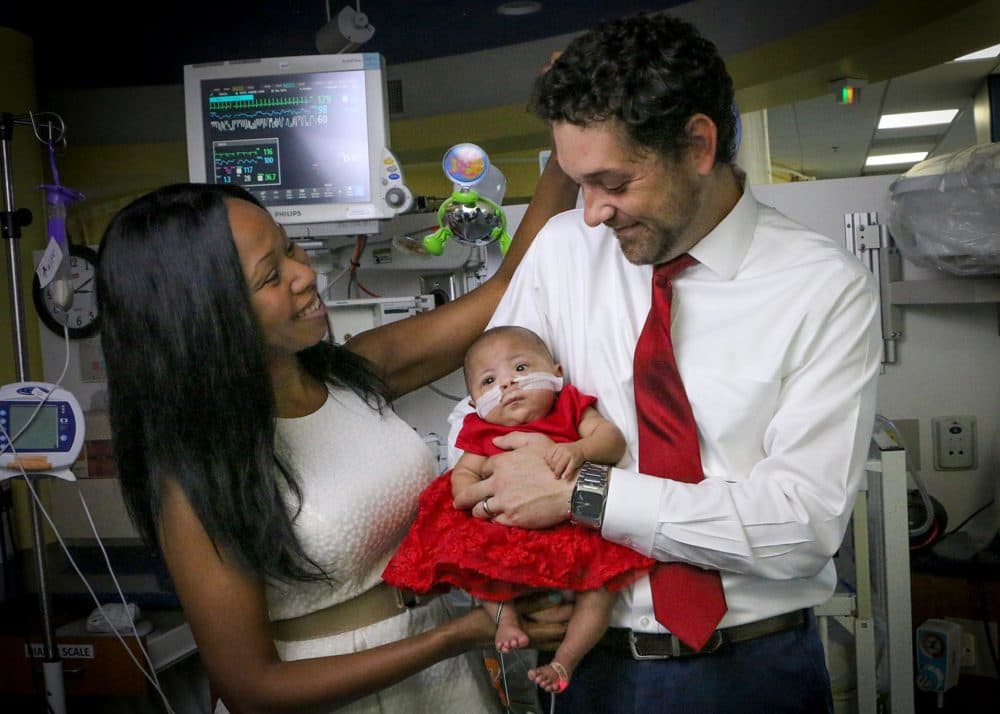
x=76, y=47
x=821, y=139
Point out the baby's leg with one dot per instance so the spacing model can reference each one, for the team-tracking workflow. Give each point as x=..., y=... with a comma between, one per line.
x=509, y=636
x=590, y=618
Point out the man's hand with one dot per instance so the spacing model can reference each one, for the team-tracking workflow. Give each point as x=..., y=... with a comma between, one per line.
x=519, y=487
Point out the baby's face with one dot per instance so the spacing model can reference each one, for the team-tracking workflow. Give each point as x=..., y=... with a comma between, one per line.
x=496, y=364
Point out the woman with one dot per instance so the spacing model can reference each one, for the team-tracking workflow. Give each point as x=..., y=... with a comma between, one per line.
x=266, y=465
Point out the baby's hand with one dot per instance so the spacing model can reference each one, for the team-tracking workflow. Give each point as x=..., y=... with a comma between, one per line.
x=564, y=459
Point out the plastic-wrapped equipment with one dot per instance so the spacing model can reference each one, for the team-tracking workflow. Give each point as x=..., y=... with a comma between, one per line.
x=945, y=212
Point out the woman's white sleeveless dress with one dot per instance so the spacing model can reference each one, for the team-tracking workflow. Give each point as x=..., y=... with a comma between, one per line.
x=361, y=474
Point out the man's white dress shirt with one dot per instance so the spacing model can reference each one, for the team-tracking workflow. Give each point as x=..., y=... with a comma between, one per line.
x=778, y=344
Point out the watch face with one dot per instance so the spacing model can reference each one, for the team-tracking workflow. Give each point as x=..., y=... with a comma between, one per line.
x=81, y=318
x=587, y=505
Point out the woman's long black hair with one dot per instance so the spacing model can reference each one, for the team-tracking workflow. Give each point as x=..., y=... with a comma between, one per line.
x=190, y=396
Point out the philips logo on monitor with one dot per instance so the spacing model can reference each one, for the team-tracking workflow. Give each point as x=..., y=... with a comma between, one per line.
x=287, y=214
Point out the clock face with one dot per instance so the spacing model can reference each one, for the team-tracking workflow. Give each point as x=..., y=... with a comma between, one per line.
x=81, y=318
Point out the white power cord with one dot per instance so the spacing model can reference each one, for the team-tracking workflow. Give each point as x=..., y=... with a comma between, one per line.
x=503, y=670
x=150, y=675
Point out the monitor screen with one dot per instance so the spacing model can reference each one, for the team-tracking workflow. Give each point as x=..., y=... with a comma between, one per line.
x=308, y=136
x=43, y=432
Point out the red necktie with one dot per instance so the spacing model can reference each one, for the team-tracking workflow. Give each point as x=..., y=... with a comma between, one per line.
x=687, y=600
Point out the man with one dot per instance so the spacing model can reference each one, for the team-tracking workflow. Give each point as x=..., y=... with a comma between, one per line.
x=777, y=345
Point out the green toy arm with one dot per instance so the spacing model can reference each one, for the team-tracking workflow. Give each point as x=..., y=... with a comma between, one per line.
x=434, y=242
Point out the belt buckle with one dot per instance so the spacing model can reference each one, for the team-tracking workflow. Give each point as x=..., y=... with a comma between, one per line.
x=715, y=641
x=674, y=646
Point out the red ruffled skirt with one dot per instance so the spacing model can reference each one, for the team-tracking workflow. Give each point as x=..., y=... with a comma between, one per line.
x=446, y=546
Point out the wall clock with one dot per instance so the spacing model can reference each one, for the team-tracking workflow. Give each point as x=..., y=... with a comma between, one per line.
x=81, y=318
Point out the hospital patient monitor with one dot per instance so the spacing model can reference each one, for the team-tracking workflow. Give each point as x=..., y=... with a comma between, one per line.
x=308, y=136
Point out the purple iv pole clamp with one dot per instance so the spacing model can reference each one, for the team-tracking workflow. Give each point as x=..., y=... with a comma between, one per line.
x=54, y=267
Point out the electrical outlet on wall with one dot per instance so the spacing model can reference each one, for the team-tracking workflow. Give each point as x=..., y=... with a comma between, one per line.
x=954, y=443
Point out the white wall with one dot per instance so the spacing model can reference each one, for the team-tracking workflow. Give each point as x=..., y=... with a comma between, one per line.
x=946, y=361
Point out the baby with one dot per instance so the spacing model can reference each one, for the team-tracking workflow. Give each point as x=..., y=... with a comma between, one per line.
x=516, y=385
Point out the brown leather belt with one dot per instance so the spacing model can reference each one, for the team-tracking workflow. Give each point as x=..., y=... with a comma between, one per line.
x=645, y=645
x=380, y=603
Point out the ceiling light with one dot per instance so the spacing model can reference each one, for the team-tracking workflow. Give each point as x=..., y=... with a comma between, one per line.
x=522, y=7
x=890, y=159
x=899, y=121
x=988, y=53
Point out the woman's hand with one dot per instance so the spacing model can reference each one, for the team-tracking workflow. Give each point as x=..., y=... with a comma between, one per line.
x=552, y=60
x=543, y=617
x=546, y=607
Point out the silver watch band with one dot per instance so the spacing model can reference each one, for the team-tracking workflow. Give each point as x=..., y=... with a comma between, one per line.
x=589, y=495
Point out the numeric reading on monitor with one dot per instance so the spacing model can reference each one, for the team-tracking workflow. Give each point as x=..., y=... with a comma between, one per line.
x=247, y=162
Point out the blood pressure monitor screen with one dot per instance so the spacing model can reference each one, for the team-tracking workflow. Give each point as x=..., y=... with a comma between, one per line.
x=42, y=434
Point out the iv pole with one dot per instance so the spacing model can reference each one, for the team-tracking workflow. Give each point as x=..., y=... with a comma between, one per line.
x=11, y=222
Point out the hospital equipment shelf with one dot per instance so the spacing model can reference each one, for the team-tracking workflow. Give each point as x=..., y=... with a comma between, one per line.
x=880, y=530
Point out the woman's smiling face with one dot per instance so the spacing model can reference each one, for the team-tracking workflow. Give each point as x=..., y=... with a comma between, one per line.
x=282, y=285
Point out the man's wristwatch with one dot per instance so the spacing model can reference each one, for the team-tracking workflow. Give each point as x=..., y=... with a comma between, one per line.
x=586, y=505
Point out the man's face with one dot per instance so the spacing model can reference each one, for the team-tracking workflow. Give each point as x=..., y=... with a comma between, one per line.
x=651, y=203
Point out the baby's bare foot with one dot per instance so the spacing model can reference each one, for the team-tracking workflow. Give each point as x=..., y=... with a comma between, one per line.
x=510, y=637
x=551, y=677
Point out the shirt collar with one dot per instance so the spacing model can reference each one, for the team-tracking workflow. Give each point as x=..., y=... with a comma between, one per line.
x=722, y=251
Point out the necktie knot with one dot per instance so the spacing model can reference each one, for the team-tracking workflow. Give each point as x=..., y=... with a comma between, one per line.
x=665, y=272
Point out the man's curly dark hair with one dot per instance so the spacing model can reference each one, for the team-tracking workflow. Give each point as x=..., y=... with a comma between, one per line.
x=652, y=72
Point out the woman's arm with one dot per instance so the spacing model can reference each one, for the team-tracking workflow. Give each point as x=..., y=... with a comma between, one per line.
x=413, y=352
x=227, y=612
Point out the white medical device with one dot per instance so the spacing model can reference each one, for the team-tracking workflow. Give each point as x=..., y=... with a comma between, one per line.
x=43, y=430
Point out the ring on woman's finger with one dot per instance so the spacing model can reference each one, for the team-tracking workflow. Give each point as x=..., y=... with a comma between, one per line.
x=486, y=508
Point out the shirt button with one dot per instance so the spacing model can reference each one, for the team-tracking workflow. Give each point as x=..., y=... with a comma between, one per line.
x=628, y=542
x=644, y=621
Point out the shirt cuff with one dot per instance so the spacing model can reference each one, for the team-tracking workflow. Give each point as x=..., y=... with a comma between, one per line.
x=632, y=510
